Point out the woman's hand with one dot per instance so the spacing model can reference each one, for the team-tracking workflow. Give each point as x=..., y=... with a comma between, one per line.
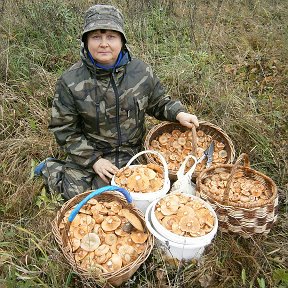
x=187, y=119
x=105, y=169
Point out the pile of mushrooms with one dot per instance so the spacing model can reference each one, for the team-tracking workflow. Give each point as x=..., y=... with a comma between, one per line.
x=243, y=189
x=183, y=215
x=140, y=178
x=175, y=146
x=104, y=236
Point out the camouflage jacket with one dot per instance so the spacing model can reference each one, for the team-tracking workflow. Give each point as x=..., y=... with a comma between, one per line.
x=99, y=113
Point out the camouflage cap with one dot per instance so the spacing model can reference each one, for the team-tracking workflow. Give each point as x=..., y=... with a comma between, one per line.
x=103, y=17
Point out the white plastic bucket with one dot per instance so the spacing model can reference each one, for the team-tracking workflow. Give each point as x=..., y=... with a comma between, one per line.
x=204, y=240
x=171, y=248
x=142, y=200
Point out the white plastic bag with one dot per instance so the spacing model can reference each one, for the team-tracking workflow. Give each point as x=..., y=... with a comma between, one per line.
x=184, y=182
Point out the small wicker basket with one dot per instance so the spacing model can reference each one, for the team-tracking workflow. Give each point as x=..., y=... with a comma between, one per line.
x=115, y=278
x=208, y=128
x=246, y=219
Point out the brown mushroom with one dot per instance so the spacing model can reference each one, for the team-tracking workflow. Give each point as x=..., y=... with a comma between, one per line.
x=80, y=254
x=101, y=250
x=139, y=237
x=90, y=242
x=127, y=253
x=133, y=219
x=111, y=223
x=80, y=231
x=74, y=244
x=114, y=263
x=189, y=224
x=110, y=238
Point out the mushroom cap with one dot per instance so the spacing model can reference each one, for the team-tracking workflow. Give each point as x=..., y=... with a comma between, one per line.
x=139, y=237
x=185, y=211
x=103, y=258
x=168, y=207
x=176, y=229
x=76, y=220
x=138, y=182
x=80, y=231
x=133, y=219
x=110, y=238
x=150, y=173
x=80, y=254
x=90, y=242
x=114, y=263
x=114, y=206
x=102, y=250
x=111, y=223
x=168, y=221
x=189, y=224
x=74, y=243
x=127, y=253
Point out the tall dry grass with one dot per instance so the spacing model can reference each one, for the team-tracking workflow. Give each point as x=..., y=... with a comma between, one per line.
x=226, y=60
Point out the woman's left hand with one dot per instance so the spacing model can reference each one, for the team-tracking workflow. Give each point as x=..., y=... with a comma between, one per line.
x=187, y=119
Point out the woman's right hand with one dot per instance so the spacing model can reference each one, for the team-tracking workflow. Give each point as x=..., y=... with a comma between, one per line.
x=105, y=169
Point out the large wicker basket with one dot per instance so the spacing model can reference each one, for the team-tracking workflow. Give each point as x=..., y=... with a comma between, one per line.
x=107, y=279
x=246, y=219
x=208, y=128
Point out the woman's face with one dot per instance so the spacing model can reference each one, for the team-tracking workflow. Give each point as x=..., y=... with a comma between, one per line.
x=104, y=46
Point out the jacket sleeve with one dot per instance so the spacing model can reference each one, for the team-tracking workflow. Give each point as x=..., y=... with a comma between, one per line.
x=160, y=105
x=65, y=123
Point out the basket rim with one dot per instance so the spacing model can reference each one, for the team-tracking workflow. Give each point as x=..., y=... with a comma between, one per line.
x=220, y=201
x=68, y=254
x=177, y=124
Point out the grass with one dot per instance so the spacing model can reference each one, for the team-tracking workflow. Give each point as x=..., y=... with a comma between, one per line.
x=226, y=60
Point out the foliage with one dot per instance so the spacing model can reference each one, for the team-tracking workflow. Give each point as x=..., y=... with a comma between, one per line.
x=226, y=60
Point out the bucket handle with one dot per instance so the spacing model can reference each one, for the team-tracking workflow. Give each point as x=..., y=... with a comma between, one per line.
x=97, y=192
x=152, y=152
x=181, y=171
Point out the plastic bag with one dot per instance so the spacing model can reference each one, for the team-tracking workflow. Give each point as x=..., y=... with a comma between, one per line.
x=184, y=182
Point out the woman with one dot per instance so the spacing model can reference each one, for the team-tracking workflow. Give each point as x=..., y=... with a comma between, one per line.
x=99, y=107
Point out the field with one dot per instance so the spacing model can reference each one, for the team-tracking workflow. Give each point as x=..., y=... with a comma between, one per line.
x=226, y=60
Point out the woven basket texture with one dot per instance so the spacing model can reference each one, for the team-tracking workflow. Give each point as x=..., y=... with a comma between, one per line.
x=245, y=219
x=208, y=128
x=104, y=279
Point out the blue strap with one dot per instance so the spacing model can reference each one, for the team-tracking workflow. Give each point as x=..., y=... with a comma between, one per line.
x=97, y=192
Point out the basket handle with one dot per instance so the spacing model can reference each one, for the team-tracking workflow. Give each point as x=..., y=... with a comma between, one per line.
x=97, y=192
x=181, y=171
x=194, y=140
x=166, y=175
x=243, y=157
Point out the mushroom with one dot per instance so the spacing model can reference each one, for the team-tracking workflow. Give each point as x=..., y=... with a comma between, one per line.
x=189, y=224
x=169, y=207
x=110, y=238
x=92, y=201
x=133, y=219
x=111, y=223
x=176, y=229
x=150, y=173
x=140, y=247
x=168, y=221
x=114, y=206
x=114, y=263
x=127, y=253
x=101, y=250
x=103, y=258
x=80, y=231
x=138, y=182
x=74, y=244
x=163, y=139
x=90, y=242
x=139, y=237
x=80, y=254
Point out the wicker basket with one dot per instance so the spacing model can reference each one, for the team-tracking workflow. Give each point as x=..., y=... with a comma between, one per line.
x=109, y=279
x=208, y=128
x=246, y=219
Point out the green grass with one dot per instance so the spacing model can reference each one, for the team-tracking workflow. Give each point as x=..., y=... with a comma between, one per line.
x=226, y=60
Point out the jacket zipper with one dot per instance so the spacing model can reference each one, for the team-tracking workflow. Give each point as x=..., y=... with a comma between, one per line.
x=119, y=139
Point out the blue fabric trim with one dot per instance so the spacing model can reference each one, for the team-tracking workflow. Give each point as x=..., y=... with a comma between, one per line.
x=120, y=56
